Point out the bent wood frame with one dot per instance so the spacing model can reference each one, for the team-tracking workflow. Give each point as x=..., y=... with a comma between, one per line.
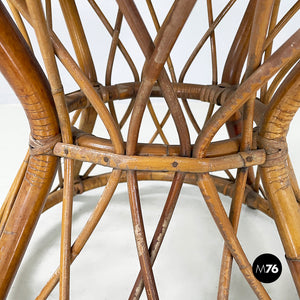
x=54, y=135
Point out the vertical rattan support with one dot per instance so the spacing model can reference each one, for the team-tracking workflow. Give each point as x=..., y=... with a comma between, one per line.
x=29, y=83
x=275, y=172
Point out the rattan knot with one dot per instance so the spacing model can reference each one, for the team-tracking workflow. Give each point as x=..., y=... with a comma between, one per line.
x=276, y=150
x=43, y=146
x=104, y=93
x=78, y=186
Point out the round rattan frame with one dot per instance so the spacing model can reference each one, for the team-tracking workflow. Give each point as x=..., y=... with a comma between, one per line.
x=259, y=86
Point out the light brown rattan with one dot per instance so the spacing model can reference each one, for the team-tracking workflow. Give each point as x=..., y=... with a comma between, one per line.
x=259, y=86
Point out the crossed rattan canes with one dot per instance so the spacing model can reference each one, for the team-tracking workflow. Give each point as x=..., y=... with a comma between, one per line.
x=54, y=135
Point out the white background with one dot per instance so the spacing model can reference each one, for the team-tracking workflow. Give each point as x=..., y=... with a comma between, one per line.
x=188, y=263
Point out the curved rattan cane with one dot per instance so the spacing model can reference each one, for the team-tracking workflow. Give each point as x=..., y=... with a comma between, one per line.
x=24, y=75
x=258, y=86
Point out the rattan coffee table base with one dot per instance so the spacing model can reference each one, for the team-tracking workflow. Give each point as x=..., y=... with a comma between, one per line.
x=256, y=100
